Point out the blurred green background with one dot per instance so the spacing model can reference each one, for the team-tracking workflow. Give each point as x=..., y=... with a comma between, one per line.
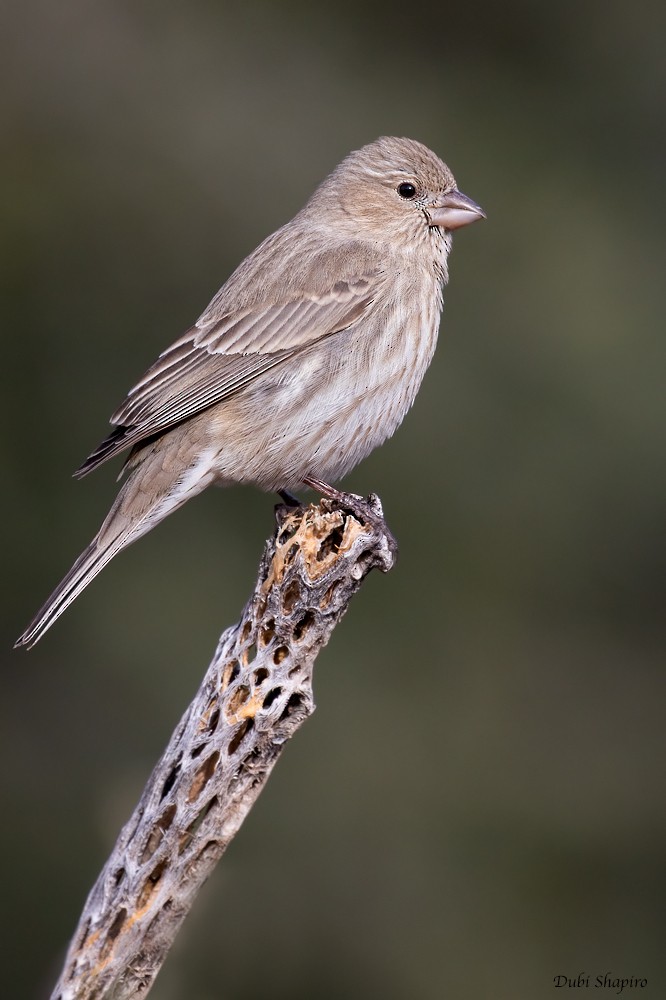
x=478, y=804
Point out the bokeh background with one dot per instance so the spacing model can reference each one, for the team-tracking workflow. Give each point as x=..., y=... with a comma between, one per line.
x=477, y=805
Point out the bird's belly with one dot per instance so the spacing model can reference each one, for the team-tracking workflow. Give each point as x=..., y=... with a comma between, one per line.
x=321, y=413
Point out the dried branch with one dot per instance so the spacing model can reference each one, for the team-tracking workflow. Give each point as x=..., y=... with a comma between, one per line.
x=256, y=693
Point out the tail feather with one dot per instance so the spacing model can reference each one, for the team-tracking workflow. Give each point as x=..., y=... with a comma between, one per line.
x=148, y=495
x=91, y=562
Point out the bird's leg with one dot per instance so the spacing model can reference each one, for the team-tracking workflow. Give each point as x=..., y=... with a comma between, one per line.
x=289, y=498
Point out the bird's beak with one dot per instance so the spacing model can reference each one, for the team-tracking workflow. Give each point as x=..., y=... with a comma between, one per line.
x=454, y=210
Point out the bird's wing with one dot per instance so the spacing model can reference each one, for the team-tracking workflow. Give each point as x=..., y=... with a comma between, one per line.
x=216, y=359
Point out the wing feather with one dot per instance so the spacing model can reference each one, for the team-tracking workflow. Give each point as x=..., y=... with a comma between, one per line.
x=218, y=357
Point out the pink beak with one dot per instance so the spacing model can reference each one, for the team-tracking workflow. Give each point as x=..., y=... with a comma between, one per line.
x=454, y=210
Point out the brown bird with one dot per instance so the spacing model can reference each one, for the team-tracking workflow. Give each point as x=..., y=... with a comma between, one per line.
x=306, y=359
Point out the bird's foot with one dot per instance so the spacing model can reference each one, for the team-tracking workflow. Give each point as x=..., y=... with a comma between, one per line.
x=368, y=510
x=330, y=492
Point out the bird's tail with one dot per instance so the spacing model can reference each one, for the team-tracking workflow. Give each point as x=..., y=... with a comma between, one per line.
x=91, y=562
x=145, y=499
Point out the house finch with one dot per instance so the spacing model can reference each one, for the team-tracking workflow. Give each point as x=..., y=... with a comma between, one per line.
x=306, y=359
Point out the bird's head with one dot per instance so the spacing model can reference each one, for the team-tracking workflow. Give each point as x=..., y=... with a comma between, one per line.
x=394, y=189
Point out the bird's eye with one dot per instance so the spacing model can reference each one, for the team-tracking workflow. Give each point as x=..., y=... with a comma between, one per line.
x=406, y=190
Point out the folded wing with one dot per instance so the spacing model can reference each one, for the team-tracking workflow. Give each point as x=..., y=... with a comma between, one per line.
x=218, y=358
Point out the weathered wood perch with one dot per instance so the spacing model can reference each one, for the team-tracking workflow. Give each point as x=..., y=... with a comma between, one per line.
x=256, y=693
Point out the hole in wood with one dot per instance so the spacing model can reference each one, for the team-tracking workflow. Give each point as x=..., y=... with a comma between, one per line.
x=207, y=712
x=291, y=597
x=118, y=876
x=246, y=631
x=166, y=819
x=237, y=700
x=331, y=543
x=240, y=734
x=196, y=751
x=295, y=701
x=189, y=833
x=203, y=776
x=287, y=532
x=329, y=595
x=171, y=779
x=267, y=632
x=250, y=653
x=260, y=676
x=86, y=927
x=157, y=833
x=280, y=654
x=212, y=847
x=303, y=625
x=150, y=885
x=213, y=721
x=117, y=925
x=231, y=672
x=271, y=696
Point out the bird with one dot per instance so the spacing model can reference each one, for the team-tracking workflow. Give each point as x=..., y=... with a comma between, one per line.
x=306, y=359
